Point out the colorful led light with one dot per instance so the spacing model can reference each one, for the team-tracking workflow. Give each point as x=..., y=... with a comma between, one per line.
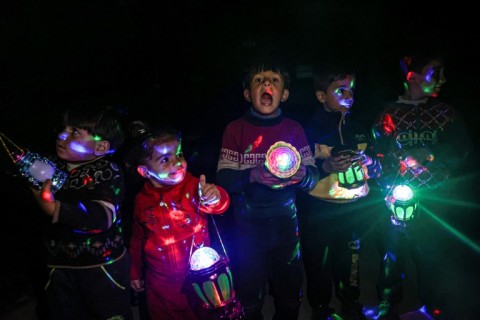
x=283, y=160
x=402, y=203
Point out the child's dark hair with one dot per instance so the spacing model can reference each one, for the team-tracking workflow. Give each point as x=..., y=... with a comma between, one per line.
x=325, y=74
x=416, y=60
x=143, y=139
x=258, y=67
x=104, y=122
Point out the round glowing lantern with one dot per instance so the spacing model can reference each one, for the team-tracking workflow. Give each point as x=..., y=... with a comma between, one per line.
x=283, y=160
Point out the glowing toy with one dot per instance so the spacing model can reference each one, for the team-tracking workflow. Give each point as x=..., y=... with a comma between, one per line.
x=34, y=167
x=402, y=203
x=352, y=178
x=211, y=279
x=283, y=160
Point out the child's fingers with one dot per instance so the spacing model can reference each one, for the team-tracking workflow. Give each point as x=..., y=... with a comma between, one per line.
x=202, y=180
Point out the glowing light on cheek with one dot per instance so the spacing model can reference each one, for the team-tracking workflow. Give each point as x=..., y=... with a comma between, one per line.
x=97, y=138
x=78, y=148
x=429, y=75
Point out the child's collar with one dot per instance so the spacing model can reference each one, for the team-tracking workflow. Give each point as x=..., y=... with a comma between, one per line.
x=277, y=113
x=402, y=99
x=73, y=165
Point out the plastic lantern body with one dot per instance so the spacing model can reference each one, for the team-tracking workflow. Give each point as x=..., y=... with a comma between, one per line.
x=283, y=160
x=402, y=203
x=37, y=169
x=212, y=281
x=352, y=178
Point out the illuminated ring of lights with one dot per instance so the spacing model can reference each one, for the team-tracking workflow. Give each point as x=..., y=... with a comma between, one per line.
x=283, y=160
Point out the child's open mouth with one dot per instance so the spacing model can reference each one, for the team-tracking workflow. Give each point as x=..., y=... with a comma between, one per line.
x=266, y=98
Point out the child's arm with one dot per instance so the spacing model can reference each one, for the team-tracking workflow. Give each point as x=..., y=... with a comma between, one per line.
x=137, y=285
x=136, y=247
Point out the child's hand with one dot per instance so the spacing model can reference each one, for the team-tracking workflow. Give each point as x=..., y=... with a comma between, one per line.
x=340, y=163
x=360, y=158
x=137, y=285
x=45, y=198
x=208, y=193
x=261, y=175
x=298, y=176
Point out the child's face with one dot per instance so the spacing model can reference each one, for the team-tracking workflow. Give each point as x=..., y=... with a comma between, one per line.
x=339, y=95
x=166, y=166
x=432, y=78
x=77, y=145
x=266, y=91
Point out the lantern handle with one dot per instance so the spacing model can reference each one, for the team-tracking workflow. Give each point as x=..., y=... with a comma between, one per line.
x=219, y=238
x=4, y=138
x=218, y=235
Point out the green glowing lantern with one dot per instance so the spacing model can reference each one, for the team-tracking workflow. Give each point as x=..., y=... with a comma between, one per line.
x=402, y=203
x=352, y=178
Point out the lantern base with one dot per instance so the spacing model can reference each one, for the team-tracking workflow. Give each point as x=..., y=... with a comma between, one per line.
x=232, y=311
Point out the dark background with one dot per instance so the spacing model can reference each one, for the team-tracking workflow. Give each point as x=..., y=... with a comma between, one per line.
x=180, y=63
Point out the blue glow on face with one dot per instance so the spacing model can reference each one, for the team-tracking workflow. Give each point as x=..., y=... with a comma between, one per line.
x=429, y=75
x=76, y=146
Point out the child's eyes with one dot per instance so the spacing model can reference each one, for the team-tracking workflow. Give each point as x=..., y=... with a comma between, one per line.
x=341, y=91
x=167, y=159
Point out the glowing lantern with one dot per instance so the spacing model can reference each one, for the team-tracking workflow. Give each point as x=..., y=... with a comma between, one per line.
x=34, y=167
x=352, y=178
x=283, y=160
x=212, y=281
x=402, y=202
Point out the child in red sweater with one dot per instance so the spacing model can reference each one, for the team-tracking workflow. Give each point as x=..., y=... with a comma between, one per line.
x=169, y=222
